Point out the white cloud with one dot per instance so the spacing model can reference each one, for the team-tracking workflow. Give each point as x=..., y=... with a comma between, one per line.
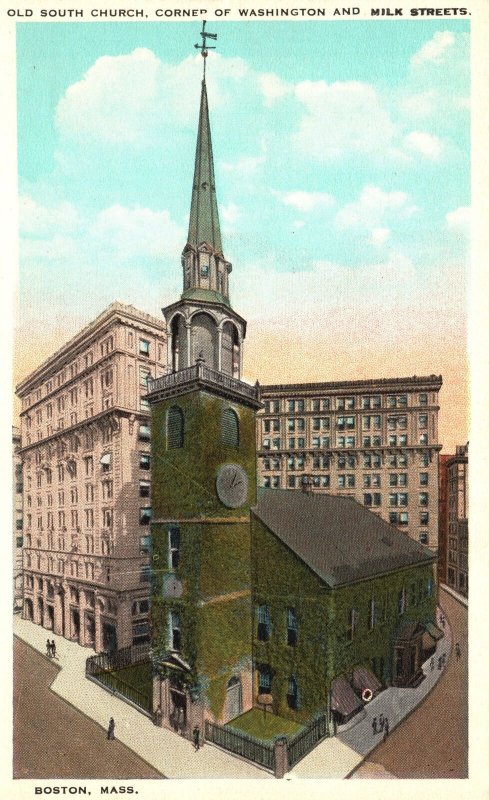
x=128, y=98
x=230, y=213
x=379, y=236
x=341, y=118
x=459, y=220
x=424, y=143
x=419, y=106
x=306, y=201
x=137, y=233
x=41, y=220
x=245, y=167
x=272, y=87
x=372, y=207
x=435, y=49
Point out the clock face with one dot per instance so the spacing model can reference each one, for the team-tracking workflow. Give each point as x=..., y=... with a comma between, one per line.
x=172, y=587
x=232, y=485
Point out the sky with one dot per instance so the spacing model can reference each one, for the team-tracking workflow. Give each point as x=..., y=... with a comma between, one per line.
x=342, y=156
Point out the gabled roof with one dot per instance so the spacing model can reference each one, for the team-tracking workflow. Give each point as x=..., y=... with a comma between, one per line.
x=340, y=540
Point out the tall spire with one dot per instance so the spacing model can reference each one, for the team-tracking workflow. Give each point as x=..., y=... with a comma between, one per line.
x=204, y=216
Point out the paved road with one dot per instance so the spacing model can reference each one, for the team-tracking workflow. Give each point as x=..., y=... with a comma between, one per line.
x=54, y=740
x=433, y=741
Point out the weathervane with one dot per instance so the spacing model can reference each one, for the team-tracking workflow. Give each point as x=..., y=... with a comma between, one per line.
x=204, y=47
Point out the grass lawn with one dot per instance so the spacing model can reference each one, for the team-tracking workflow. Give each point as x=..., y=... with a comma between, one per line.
x=264, y=726
x=137, y=676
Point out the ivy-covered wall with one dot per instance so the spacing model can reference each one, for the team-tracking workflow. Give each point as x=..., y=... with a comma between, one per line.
x=323, y=651
x=183, y=480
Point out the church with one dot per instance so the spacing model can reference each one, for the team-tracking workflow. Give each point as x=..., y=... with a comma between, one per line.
x=297, y=602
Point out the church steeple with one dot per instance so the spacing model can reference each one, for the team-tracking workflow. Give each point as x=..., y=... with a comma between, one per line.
x=205, y=270
x=202, y=327
x=204, y=215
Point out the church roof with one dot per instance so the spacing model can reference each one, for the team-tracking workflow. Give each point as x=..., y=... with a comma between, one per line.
x=340, y=540
x=204, y=217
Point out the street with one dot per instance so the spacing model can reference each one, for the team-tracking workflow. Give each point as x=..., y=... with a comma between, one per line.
x=54, y=740
x=433, y=741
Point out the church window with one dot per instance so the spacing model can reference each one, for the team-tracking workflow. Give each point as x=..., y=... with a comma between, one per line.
x=204, y=270
x=175, y=631
x=230, y=428
x=292, y=693
x=291, y=627
x=175, y=428
x=264, y=625
x=174, y=547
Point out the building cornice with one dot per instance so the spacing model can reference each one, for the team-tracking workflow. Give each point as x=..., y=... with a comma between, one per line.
x=382, y=384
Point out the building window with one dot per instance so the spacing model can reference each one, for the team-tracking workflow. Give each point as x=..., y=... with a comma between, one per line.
x=352, y=624
x=144, y=575
x=423, y=421
x=423, y=399
x=401, y=601
x=144, y=488
x=291, y=627
x=263, y=624
x=423, y=479
x=423, y=537
x=175, y=428
x=144, y=516
x=144, y=545
x=291, y=481
x=230, y=428
x=174, y=547
x=175, y=631
x=144, y=433
x=423, y=498
x=144, y=461
x=424, y=518
x=292, y=693
x=143, y=347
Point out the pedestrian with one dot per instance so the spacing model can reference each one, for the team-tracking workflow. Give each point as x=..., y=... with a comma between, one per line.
x=374, y=726
x=196, y=737
x=48, y=648
x=458, y=651
x=53, y=648
x=158, y=717
x=111, y=729
x=440, y=662
x=381, y=723
x=443, y=622
x=432, y=664
x=386, y=728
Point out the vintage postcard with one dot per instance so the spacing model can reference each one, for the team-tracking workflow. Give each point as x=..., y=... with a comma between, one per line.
x=239, y=246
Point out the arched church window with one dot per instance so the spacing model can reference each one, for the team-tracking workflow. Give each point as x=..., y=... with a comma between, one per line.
x=230, y=428
x=175, y=428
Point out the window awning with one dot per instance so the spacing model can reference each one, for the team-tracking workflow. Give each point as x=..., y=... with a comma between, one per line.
x=106, y=458
x=364, y=679
x=343, y=698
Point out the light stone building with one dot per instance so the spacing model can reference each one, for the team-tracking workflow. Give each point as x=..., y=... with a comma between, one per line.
x=86, y=481
x=373, y=440
x=17, y=521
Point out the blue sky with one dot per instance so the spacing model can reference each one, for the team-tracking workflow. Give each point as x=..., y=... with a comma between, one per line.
x=342, y=155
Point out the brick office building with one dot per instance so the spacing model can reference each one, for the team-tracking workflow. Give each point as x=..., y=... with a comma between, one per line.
x=457, y=474
x=374, y=440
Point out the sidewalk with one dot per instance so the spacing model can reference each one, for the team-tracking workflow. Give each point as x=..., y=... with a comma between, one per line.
x=175, y=756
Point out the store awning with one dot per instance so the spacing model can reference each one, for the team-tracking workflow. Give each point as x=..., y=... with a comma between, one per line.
x=343, y=698
x=364, y=679
x=434, y=632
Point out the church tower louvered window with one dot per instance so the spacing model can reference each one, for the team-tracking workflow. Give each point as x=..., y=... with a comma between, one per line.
x=175, y=428
x=230, y=428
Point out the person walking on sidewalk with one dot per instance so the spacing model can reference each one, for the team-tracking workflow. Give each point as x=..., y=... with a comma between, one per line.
x=111, y=729
x=48, y=648
x=53, y=648
x=458, y=651
x=374, y=726
x=386, y=728
x=381, y=723
x=196, y=737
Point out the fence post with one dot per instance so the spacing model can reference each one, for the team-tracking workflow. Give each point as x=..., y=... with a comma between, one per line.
x=280, y=753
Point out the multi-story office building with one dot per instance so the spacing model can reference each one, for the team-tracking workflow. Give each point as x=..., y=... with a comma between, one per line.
x=457, y=469
x=443, y=517
x=86, y=481
x=373, y=440
x=17, y=522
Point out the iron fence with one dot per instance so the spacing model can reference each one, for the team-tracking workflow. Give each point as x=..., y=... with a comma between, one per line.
x=118, y=659
x=241, y=745
x=304, y=741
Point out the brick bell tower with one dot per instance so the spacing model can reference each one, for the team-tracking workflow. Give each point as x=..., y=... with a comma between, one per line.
x=203, y=480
